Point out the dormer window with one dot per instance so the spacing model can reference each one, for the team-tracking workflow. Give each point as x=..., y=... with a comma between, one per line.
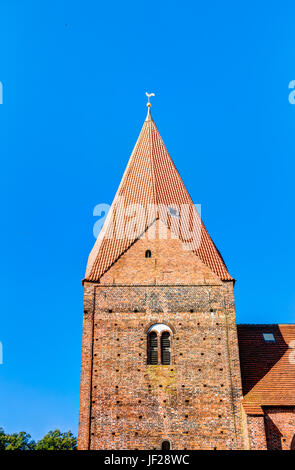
x=269, y=337
x=148, y=254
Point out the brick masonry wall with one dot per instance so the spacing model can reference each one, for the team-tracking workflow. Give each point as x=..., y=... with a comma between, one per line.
x=194, y=402
x=280, y=428
x=170, y=263
x=272, y=430
x=256, y=432
x=86, y=366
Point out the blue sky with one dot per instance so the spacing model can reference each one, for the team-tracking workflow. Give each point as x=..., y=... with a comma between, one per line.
x=74, y=76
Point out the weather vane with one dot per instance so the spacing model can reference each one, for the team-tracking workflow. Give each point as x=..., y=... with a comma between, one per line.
x=149, y=104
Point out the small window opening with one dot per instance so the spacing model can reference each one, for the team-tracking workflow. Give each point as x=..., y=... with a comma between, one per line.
x=165, y=348
x=173, y=211
x=148, y=254
x=166, y=445
x=152, y=348
x=268, y=337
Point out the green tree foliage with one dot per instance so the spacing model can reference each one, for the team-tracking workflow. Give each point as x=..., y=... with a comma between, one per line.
x=3, y=439
x=53, y=440
x=56, y=440
x=18, y=441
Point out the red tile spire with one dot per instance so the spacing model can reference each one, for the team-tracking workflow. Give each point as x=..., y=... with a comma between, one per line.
x=150, y=179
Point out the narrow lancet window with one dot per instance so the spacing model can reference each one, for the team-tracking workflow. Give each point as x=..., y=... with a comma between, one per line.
x=165, y=348
x=152, y=348
x=148, y=254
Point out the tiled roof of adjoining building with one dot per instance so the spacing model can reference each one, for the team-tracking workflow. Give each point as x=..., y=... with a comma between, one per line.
x=267, y=358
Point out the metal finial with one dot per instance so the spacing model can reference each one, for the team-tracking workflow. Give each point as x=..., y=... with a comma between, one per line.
x=149, y=104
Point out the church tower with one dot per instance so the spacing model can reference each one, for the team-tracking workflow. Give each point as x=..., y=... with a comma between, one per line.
x=160, y=361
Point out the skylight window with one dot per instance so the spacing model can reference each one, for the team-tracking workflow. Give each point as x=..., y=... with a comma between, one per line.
x=173, y=211
x=269, y=337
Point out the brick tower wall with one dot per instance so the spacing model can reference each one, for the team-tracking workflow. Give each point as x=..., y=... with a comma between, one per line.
x=194, y=402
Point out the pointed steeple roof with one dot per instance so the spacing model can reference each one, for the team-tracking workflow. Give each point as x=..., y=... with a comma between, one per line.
x=150, y=179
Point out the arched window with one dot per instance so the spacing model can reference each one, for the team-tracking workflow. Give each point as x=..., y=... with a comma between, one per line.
x=165, y=348
x=293, y=443
x=166, y=445
x=148, y=254
x=152, y=348
x=159, y=344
